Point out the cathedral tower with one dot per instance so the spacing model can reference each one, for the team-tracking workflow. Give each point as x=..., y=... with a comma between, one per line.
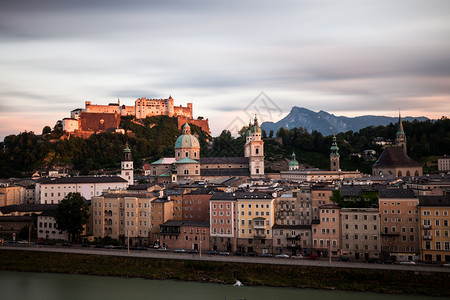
x=254, y=150
x=334, y=156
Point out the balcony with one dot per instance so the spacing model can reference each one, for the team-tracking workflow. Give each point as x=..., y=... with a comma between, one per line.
x=426, y=226
x=427, y=237
x=293, y=237
x=259, y=236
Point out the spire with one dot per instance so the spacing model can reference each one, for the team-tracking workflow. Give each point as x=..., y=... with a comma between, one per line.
x=334, y=147
x=293, y=155
x=400, y=124
x=256, y=120
x=400, y=138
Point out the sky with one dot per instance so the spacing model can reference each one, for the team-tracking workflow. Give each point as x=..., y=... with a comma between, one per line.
x=231, y=59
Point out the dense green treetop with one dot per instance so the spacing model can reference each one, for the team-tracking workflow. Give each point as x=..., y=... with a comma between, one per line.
x=72, y=214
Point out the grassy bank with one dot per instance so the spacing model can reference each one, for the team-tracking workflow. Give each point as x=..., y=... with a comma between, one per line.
x=384, y=281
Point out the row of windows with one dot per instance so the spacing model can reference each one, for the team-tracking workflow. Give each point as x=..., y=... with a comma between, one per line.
x=256, y=206
x=256, y=213
x=427, y=222
x=437, y=246
x=221, y=231
x=220, y=213
x=365, y=217
x=221, y=206
x=365, y=247
x=365, y=226
x=436, y=213
x=366, y=237
x=250, y=231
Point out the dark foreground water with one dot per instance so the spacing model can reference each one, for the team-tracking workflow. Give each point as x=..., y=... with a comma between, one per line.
x=43, y=286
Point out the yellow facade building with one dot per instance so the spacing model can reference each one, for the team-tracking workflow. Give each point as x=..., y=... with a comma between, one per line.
x=255, y=219
x=434, y=228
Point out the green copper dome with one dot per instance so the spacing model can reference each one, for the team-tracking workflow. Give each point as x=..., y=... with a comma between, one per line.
x=334, y=147
x=293, y=162
x=187, y=140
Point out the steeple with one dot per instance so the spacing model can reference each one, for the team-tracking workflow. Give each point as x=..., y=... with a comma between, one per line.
x=126, y=169
x=400, y=138
x=334, y=155
x=293, y=164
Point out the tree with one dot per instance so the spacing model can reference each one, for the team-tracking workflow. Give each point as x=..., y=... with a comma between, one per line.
x=46, y=130
x=72, y=214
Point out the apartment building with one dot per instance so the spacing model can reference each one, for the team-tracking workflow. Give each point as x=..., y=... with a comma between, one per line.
x=161, y=212
x=255, y=219
x=435, y=228
x=122, y=216
x=399, y=224
x=360, y=233
x=222, y=207
x=326, y=240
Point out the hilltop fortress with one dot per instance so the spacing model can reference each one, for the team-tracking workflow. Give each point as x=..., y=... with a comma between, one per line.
x=95, y=118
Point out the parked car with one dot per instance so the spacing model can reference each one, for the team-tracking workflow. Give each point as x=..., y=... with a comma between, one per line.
x=252, y=253
x=224, y=253
x=180, y=251
x=313, y=257
x=266, y=255
x=388, y=262
x=371, y=261
x=212, y=252
x=446, y=265
x=85, y=245
x=109, y=246
x=67, y=244
x=162, y=249
x=407, y=262
x=141, y=248
x=344, y=258
x=298, y=256
x=120, y=247
x=193, y=251
x=99, y=246
x=282, y=256
x=238, y=253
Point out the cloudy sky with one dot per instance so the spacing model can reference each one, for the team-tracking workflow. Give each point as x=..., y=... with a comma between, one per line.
x=346, y=57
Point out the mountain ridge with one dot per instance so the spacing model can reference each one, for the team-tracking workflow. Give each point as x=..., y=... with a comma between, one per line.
x=327, y=123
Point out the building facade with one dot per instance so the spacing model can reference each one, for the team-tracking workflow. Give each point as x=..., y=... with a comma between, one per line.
x=360, y=233
x=435, y=228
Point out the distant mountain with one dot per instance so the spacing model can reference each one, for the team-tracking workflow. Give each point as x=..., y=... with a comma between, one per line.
x=327, y=123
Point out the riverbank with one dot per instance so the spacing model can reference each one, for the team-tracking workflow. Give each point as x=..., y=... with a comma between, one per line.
x=381, y=281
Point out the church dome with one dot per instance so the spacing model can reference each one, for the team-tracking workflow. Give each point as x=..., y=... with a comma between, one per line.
x=293, y=162
x=187, y=140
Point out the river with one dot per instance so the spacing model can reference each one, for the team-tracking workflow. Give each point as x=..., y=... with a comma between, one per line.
x=44, y=286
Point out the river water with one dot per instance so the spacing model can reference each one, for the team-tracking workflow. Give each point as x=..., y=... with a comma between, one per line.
x=43, y=286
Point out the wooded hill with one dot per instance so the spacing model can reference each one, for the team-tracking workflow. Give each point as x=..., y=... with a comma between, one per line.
x=26, y=152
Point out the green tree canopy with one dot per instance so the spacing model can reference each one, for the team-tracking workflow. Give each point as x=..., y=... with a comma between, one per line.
x=72, y=214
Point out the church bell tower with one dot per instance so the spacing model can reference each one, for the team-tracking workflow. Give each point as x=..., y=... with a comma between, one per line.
x=126, y=166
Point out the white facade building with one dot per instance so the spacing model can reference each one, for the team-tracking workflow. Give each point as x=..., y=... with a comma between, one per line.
x=53, y=190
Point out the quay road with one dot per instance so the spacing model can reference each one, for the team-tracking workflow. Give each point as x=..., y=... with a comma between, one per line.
x=153, y=253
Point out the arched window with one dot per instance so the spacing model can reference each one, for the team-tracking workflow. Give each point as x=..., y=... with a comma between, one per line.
x=257, y=150
x=389, y=172
x=408, y=173
x=195, y=154
x=416, y=173
x=400, y=174
x=187, y=154
x=221, y=230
